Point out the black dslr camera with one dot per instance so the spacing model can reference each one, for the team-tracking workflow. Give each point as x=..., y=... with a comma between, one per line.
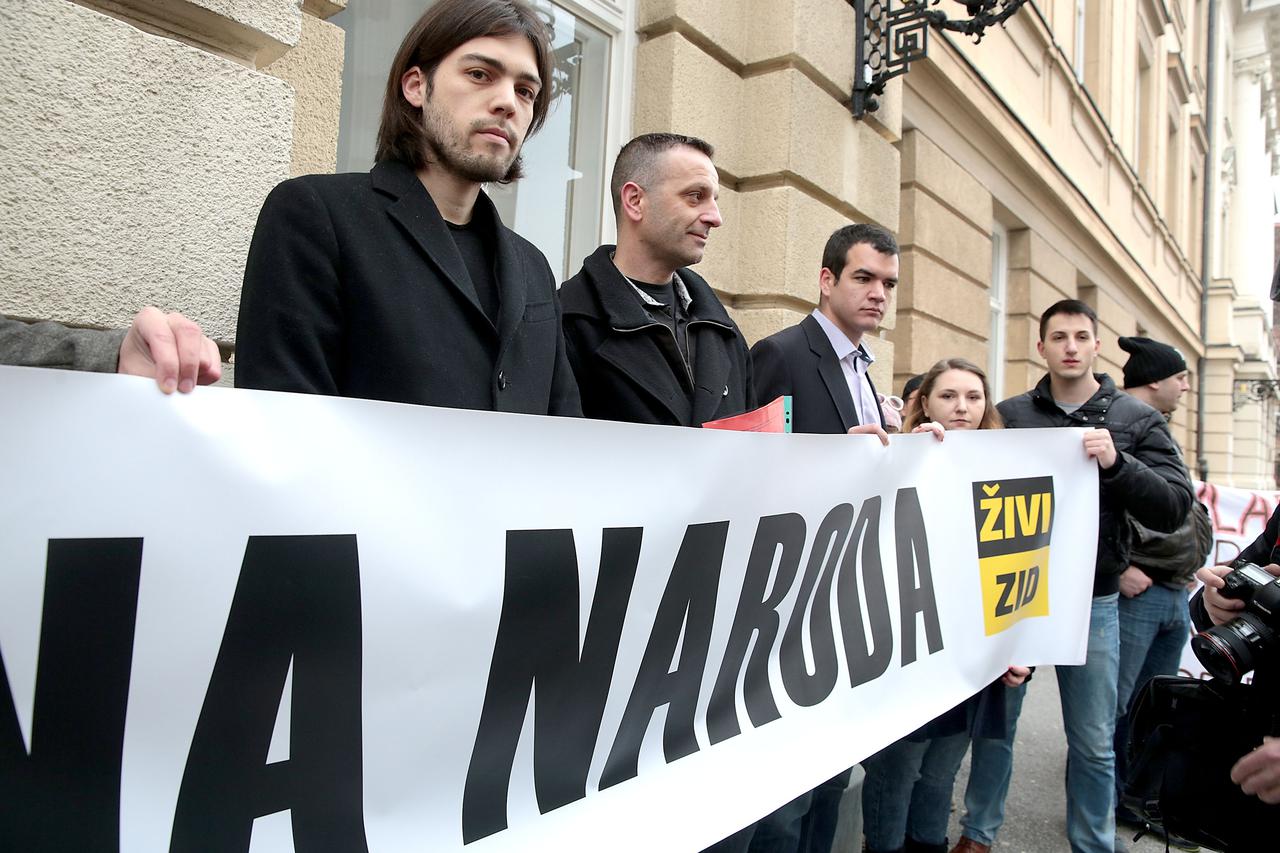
x=1231, y=650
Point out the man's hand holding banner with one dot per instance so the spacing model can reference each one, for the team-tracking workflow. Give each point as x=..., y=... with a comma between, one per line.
x=244, y=619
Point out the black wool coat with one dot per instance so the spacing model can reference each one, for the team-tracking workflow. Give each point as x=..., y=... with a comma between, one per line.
x=355, y=288
x=1148, y=483
x=801, y=362
x=626, y=364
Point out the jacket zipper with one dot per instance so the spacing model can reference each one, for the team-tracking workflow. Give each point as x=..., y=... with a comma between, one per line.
x=687, y=369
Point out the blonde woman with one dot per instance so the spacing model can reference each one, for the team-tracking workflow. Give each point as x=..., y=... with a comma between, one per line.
x=906, y=797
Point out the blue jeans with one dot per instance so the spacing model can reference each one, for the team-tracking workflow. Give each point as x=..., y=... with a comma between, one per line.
x=1154, y=628
x=907, y=791
x=990, y=769
x=1088, y=696
x=807, y=824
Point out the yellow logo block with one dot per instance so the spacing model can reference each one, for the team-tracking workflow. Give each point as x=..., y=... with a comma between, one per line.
x=1013, y=588
x=1013, y=520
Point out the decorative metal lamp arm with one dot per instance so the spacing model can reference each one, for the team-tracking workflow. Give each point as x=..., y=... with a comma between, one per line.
x=889, y=38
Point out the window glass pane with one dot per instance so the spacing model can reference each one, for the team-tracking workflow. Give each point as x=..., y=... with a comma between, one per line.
x=998, y=291
x=557, y=204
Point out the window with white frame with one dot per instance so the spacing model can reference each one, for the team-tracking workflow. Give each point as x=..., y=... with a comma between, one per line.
x=1144, y=104
x=561, y=203
x=998, y=292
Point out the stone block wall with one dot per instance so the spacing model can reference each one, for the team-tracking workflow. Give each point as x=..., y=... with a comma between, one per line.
x=766, y=82
x=945, y=236
x=135, y=177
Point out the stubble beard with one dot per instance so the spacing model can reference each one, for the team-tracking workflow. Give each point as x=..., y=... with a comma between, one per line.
x=450, y=150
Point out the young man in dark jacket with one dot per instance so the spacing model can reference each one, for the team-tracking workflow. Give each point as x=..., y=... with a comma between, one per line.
x=1141, y=476
x=647, y=338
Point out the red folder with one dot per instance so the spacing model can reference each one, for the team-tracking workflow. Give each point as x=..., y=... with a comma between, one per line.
x=775, y=417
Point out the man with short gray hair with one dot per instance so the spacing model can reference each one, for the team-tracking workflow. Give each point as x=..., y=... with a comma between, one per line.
x=647, y=338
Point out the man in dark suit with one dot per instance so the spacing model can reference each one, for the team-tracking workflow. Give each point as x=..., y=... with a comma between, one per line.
x=647, y=337
x=821, y=363
x=402, y=284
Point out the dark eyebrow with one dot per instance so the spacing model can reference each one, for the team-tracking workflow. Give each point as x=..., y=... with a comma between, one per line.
x=501, y=68
x=864, y=271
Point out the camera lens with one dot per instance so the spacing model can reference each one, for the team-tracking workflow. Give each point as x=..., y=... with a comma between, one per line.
x=1231, y=650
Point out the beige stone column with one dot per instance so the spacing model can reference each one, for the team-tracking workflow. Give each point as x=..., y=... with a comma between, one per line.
x=1221, y=357
x=1253, y=421
x=1038, y=277
x=767, y=82
x=943, y=302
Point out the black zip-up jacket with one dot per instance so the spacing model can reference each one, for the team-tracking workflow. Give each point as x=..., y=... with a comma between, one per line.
x=1148, y=481
x=628, y=365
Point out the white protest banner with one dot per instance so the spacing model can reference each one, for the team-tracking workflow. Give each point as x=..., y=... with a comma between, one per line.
x=238, y=620
x=1238, y=516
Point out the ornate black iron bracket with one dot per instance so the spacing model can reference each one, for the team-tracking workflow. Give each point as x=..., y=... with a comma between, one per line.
x=1254, y=391
x=889, y=37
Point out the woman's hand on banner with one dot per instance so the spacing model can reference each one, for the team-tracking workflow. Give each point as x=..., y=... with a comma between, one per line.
x=1015, y=675
x=933, y=427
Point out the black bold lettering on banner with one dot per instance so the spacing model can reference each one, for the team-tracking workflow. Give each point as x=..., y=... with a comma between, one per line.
x=868, y=656
x=1033, y=584
x=689, y=601
x=757, y=614
x=828, y=544
x=65, y=794
x=913, y=561
x=298, y=598
x=1005, y=604
x=537, y=644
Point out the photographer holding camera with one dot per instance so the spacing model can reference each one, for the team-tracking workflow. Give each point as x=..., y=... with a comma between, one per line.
x=1204, y=755
x=1258, y=772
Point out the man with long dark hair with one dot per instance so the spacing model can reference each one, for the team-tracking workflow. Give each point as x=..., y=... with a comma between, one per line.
x=402, y=284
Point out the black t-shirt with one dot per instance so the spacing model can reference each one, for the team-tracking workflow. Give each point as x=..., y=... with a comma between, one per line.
x=478, y=246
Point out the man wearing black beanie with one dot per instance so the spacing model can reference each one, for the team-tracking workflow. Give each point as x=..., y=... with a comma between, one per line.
x=1154, y=622
x=1155, y=373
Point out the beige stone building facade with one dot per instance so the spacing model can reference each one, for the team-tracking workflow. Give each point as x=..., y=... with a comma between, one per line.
x=1069, y=152
x=1063, y=156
